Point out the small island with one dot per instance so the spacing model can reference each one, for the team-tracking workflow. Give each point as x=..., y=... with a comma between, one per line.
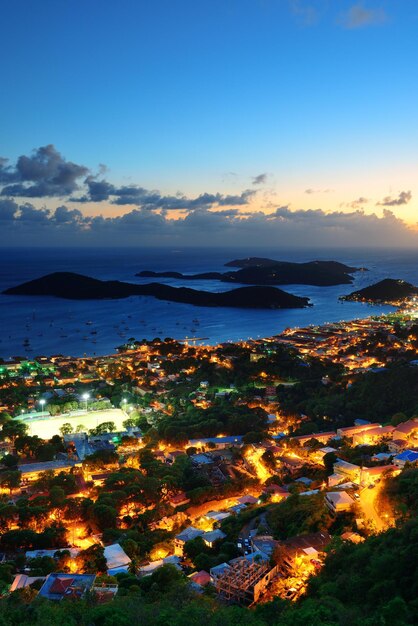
x=260, y=271
x=78, y=287
x=388, y=291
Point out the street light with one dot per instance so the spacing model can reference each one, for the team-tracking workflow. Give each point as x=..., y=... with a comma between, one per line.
x=86, y=397
x=42, y=403
x=124, y=404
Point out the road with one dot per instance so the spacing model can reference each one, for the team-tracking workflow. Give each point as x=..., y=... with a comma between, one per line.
x=368, y=505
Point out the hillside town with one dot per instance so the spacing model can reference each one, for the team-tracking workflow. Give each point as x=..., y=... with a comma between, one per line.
x=237, y=467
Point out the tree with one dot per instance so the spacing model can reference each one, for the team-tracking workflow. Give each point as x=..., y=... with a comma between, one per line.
x=66, y=429
x=12, y=430
x=10, y=479
x=92, y=560
x=10, y=460
x=104, y=516
x=57, y=496
x=398, y=418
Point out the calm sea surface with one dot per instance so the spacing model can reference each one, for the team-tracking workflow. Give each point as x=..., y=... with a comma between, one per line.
x=54, y=325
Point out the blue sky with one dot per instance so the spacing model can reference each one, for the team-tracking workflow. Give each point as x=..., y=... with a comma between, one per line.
x=202, y=96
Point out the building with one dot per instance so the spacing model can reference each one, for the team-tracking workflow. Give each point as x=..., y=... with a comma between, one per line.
x=350, y=431
x=338, y=501
x=117, y=559
x=179, y=499
x=369, y=475
x=201, y=578
x=216, y=442
x=408, y=456
x=347, y=471
x=373, y=435
x=407, y=431
x=58, y=586
x=30, y=471
x=397, y=445
x=22, y=580
x=276, y=492
x=187, y=534
x=322, y=437
x=211, y=537
x=244, y=580
x=150, y=568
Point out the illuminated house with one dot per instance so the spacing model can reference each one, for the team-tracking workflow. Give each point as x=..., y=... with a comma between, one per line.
x=338, y=501
x=408, y=456
x=350, y=431
x=347, y=471
x=372, y=435
x=31, y=471
x=407, y=431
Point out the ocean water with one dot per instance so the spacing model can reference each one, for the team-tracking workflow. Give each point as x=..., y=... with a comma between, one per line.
x=54, y=325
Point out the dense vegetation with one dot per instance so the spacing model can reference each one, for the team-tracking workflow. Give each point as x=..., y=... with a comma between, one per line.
x=375, y=396
x=371, y=584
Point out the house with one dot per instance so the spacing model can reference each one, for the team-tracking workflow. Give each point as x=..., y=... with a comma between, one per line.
x=217, y=516
x=58, y=586
x=408, y=456
x=117, y=559
x=22, y=580
x=290, y=463
x=347, y=470
x=408, y=431
x=201, y=578
x=322, y=437
x=353, y=537
x=104, y=593
x=179, y=499
x=172, y=456
x=187, y=534
x=397, y=445
x=318, y=455
x=218, y=570
x=369, y=475
x=372, y=435
x=35, y=554
x=264, y=544
x=211, y=537
x=338, y=501
x=350, y=431
x=381, y=456
x=247, y=500
x=277, y=493
x=216, y=442
x=30, y=471
x=299, y=543
x=150, y=568
x=202, y=459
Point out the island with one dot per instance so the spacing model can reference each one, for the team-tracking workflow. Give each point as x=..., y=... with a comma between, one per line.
x=260, y=271
x=388, y=291
x=74, y=286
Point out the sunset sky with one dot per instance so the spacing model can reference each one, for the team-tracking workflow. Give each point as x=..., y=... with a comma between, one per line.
x=249, y=119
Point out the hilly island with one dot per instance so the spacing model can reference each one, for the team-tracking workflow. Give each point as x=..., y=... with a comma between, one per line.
x=387, y=291
x=261, y=271
x=78, y=287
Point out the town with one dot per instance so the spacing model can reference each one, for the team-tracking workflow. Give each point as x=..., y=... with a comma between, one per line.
x=235, y=468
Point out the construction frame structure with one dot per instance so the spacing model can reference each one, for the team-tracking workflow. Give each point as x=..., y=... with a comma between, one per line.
x=244, y=581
